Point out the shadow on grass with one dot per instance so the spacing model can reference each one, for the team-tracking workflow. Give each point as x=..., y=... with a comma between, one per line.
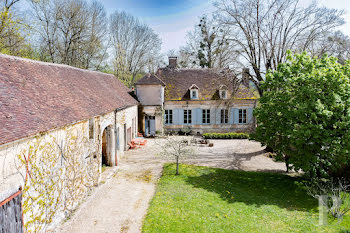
x=252, y=188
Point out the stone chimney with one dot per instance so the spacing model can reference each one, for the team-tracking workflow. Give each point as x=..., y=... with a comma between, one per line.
x=172, y=62
x=245, y=77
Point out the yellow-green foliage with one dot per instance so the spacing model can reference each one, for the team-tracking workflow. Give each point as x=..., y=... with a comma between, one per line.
x=13, y=29
x=60, y=172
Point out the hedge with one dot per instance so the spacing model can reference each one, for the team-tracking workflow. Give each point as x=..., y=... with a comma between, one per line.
x=226, y=136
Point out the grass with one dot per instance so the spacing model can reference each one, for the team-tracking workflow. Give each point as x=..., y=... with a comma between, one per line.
x=203, y=199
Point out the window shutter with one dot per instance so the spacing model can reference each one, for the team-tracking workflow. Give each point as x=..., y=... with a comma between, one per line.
x=198, y=116
x=236, y=117
x=249, y=115
x=175, y=116
x=194, y=116
x=181, y=117
x=231, y=116
x=218, y=116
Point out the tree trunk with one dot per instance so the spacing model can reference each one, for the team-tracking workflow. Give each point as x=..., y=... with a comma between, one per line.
x=177, y=166
x=287, y=163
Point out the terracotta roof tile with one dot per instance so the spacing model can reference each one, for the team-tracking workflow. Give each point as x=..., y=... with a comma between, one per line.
x=37, y=97
x=150, y=79
x=178, y=82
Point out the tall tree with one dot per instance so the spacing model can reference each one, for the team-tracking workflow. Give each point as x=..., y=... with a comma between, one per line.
x=332, y=43
x=13, y=30
x=304, y=114
x=133, y=42
x=72, y=32
x=266, y=29
x=209, y=45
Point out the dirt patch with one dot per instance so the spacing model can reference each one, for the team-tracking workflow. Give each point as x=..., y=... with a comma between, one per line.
x=125, y=226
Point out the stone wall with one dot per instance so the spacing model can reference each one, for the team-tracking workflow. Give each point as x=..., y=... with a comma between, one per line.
x=57, y=169
x=125, y=120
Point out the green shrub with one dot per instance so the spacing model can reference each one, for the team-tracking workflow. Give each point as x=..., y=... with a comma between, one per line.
x=226, y=136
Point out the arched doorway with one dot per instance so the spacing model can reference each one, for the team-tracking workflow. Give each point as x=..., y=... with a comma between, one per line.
x=106, y=147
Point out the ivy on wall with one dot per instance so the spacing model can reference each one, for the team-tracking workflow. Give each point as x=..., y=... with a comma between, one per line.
x=60, y=172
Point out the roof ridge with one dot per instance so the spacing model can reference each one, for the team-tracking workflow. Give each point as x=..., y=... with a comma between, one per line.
x=51, y=64
x=155, y=75
x=148, y=77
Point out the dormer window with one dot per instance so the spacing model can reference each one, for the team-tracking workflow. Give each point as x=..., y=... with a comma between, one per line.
x=223, y=92
x=194, y=92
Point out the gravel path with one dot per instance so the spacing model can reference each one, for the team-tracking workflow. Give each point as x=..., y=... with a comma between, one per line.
x=238, y=154
x=120, y=204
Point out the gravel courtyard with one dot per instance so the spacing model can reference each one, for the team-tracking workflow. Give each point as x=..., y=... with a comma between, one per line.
x=120, y=203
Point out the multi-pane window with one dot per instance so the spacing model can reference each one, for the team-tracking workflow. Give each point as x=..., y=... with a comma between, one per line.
x=168, y=116
x=223, y=94
x=242, y=116
x=206, y=116
x=224, y=116
x=91, y=128
x=187, y=116
x=194, y=94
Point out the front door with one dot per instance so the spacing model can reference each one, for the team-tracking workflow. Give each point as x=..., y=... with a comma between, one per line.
x=150, y=125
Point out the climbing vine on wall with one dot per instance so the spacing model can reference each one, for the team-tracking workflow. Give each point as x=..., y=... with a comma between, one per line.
x=60, y=171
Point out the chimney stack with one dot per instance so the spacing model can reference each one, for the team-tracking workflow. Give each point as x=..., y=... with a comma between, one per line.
x=172, y=62
x=245, y=77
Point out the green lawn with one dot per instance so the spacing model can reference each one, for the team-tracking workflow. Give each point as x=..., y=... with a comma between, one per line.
x=203, y=199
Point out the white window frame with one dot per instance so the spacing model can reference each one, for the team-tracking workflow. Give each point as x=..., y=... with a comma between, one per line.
x=194, y=91
x=242, y=116
x=168, y=116
x=205, y=116
x=187, y=116
x=222, y=94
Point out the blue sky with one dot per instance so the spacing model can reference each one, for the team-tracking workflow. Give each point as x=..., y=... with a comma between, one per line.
x=171, y=19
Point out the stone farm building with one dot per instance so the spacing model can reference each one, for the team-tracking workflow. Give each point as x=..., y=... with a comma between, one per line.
x=195, y=101
x=59, y=126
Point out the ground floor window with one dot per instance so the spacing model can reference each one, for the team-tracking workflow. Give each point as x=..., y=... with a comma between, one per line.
x=224, y=116
x=242, y=116
x=206, y=116
x=168, y=116
x=187, y=116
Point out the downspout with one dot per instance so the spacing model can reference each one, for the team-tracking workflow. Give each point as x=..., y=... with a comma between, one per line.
x=116, y=137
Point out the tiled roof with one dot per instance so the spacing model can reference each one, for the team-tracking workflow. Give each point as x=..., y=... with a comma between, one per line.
x=37, y=97
x=178, y=82
x=150, y=79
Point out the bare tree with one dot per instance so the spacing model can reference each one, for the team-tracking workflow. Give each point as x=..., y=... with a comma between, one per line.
x=333, y=44
x=266, y=29
x=186, y=57
x=72, y=32
x=209, y=46
x=136, y=43
x=177, y=147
